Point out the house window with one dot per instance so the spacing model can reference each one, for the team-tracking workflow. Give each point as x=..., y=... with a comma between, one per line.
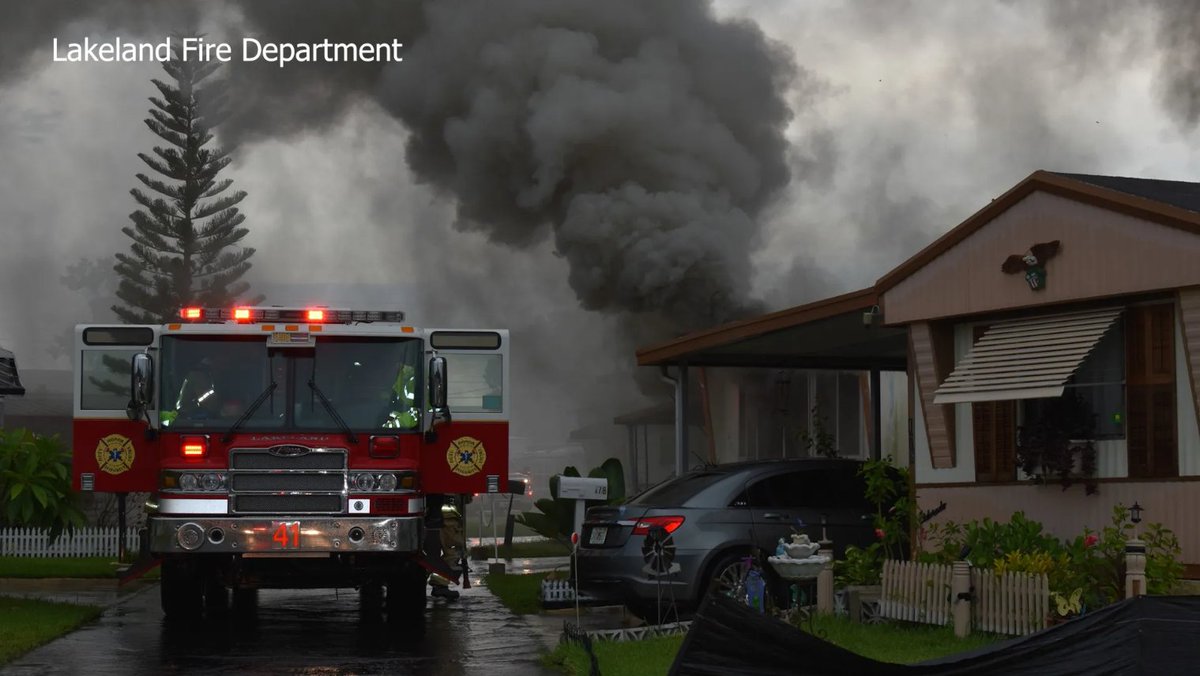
x=1098, y=385
x=1127, y=385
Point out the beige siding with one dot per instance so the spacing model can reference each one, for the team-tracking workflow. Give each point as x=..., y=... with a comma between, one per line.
x=1066, y=513
x=1103, y=254
x=964, y=470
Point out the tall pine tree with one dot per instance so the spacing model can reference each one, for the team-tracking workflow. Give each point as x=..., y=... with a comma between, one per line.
x=186, y=232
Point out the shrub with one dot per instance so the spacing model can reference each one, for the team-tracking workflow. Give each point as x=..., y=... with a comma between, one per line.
x=35, y=484
x=1089, y=568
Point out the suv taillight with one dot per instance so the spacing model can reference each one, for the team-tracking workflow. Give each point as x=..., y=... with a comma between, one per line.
x=668, y=523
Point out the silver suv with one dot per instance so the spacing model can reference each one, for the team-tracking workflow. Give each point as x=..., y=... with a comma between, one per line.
x=670, y=544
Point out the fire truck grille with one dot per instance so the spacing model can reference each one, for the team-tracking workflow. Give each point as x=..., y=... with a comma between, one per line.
x=244, y=481
x=287, y=504
x=291, y=480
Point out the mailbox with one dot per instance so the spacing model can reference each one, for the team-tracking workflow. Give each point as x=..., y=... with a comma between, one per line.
x=582, y=488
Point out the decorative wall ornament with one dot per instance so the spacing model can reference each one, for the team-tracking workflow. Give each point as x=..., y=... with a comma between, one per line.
x=1032, y=263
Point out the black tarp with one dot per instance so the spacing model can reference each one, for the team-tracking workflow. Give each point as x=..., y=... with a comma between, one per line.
x=1157, y=635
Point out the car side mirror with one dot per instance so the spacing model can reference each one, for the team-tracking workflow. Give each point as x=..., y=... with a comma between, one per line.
x=141, y=385
x=438, y=376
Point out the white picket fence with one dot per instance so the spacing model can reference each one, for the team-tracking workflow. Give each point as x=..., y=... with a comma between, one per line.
x=1012, y=603
x=90, y=541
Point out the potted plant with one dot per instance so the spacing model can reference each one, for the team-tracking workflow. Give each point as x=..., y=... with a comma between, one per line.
x=1057, y=443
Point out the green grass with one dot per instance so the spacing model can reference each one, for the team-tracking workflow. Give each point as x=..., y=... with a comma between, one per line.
x=522, y=550
x=632, y=658
x=91, y=566
x=899, y=643
x=26, y=623
x=903, y=644
x=518, y=592
x=99, y=567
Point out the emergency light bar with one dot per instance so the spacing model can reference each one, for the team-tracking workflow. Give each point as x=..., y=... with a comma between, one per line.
x=311, y=315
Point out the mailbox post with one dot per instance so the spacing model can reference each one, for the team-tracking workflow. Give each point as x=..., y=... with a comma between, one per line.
x=580, y=489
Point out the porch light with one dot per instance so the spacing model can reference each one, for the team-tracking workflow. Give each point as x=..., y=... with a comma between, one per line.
x=1135, y=513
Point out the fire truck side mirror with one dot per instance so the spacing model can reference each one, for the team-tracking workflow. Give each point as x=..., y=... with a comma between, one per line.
x=141, y=380
x=437, y=390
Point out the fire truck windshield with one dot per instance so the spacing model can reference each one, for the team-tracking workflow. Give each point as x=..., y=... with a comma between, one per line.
x=210, y=382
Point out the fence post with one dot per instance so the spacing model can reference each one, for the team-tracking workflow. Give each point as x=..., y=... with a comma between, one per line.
x=825, y=579
x=960, y=593
x=1135, y=568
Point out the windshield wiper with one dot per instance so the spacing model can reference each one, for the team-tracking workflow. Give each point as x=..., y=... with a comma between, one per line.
x=332, y=412
x=250, y=411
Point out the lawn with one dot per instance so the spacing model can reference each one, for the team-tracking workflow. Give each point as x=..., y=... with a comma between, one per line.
x=518, y=592
x=80, y=567
x=522, y=550
x=91, y=566
x=884, y=642
x=631, y=658
x=26, y=623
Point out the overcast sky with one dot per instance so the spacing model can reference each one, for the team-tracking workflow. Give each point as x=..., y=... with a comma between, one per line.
x=905, y=118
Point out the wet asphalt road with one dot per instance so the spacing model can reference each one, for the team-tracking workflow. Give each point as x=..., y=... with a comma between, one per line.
x=296, y=632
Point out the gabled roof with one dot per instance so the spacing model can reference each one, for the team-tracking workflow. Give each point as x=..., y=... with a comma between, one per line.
x=1182, y=194
x=10, y=383
x=1172, y=203
x=731, y=344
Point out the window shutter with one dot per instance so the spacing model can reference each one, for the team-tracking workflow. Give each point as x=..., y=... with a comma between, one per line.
x=994, y=427
x=1150, y=392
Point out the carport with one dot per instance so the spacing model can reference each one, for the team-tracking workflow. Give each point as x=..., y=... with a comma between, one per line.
x=840, y=333
x=10, y=383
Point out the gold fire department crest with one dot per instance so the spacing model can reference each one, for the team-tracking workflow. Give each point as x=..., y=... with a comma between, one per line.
x=466, y=456
x=115, y=454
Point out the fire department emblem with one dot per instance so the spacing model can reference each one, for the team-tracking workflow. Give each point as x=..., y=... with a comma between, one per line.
x=466, y=456
x=115, y=454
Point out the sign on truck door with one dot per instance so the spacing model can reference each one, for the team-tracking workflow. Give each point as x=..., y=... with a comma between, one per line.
x=470, y=454
x=111, y=453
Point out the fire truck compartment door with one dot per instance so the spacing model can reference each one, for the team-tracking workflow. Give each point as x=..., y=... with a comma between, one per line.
x=470, y=454
x=110, y=452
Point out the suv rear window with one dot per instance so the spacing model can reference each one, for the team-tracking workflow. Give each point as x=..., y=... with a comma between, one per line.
x=677, y=491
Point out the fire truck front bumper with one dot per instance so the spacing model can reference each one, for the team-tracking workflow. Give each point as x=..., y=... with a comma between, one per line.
x=284, y=535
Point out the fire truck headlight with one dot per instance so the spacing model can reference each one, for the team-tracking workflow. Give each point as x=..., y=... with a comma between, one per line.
x=363, y=482
x=387, y=482
x=189, y=482
x=190, y=536
x=212, y=482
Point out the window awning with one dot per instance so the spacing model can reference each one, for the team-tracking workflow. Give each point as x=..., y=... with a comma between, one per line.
x=1029, y=358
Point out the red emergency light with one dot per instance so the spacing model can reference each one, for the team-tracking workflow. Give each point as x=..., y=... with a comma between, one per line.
x=316, y=315
x=190, y=313
x=242, y=314
x=194, y=447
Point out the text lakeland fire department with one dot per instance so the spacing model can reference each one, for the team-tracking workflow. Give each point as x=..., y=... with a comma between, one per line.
x=200, y=49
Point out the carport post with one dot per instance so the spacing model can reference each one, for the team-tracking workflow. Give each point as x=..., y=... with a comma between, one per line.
x=681, y=422
x=876, y=417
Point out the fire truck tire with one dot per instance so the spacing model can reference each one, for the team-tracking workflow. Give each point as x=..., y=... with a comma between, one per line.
x=370, y=597
x=181, y=589
x=406, y=597
x=216, y=596
x=245, y=599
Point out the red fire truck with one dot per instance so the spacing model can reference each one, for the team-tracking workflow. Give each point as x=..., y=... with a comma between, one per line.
x=291, y=447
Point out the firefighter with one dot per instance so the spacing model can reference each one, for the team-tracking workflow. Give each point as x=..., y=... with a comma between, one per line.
x=451, y=542
x=404, y=390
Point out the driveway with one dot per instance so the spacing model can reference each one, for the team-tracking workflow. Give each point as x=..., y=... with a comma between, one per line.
x=292, y=631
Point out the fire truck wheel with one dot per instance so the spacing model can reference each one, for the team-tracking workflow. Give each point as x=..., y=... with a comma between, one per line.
x=406, y=598
x=370, y=597
x=182, y=590
x=216, y=596
x=245, y=599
